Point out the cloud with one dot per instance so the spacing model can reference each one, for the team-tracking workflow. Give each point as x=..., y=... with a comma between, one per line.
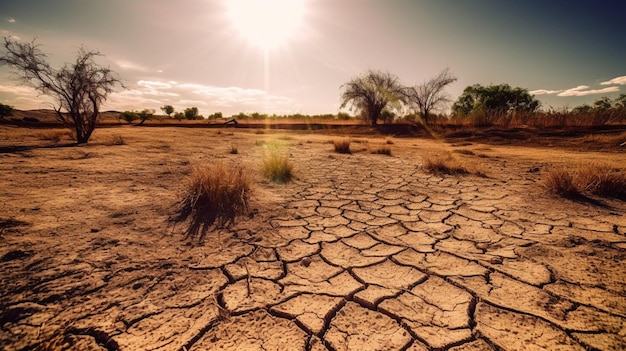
x=229, y=100
x=582, y=91
x=545, y=92
x=615, y=81
x=11, y=20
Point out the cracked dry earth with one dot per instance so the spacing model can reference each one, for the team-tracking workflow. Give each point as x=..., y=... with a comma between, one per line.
x=359, y=252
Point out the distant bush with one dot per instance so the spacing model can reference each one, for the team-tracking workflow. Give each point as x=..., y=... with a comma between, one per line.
x=191, y=113
x=5, y=110
x=129, y=116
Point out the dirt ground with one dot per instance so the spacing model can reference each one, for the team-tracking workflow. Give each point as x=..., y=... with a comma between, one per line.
x=359, y=252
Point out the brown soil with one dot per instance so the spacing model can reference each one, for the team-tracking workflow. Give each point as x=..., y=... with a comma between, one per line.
x=359, y=252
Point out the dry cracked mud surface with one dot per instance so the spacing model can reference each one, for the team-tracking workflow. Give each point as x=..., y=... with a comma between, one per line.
x=358, y=252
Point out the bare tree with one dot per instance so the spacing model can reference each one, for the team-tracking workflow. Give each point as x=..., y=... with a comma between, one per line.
x=78, y=89
x=372, y=92
x=430, y=95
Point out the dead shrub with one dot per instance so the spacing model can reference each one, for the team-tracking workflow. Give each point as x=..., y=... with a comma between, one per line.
x=342, y=146
x=55, y=136
x=561, y=182
x=115, y=140
x=277, y=168
x=383, y=150
x=444, y=165
x=596, y=179
x=214, y=196
x=602, y=180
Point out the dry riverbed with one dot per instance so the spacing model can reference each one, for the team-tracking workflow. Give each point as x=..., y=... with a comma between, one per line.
x=360, y=251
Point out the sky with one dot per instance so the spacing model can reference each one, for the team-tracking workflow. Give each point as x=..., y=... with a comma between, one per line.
x=292, y=56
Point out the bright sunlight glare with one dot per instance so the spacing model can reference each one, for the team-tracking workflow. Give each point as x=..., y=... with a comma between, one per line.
x=267, y=24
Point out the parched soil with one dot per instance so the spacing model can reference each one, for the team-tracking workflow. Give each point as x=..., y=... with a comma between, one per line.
x=359, y=252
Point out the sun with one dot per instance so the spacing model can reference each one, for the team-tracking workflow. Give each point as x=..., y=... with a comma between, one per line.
x=266, y=24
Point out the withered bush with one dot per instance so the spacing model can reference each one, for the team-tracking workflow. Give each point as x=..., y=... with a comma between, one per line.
x=214, y=196
x=342, y=146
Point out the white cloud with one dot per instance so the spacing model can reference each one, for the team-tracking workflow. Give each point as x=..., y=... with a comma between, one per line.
x=582, y=91
x=11, y=20
x=545, y=92
x=617, y=80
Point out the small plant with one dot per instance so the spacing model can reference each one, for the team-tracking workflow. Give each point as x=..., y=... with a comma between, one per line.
x=214, y=196
x=234, y=150
x=389, y=142
x=383, y=150
x=277, y=167
x=342, y=146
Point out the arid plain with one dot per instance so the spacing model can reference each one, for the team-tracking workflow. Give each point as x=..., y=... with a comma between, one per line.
x=359, y=251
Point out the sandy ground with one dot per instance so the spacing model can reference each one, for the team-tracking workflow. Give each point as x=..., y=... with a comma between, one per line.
x=359, y=252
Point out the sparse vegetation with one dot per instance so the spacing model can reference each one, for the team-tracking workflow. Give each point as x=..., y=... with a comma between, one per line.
x=277, y=167
x=214, y=196
x=342, y=146
x=234, y=150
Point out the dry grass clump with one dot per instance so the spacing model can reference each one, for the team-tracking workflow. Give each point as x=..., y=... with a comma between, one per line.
x=342, y=146
x=115, y=140
x=444, y=165
x=55, y=135
x=383, y=150
x=277, y=167
x=233, y=150
x=561, y=182
x=214, y=196
x=596, y=179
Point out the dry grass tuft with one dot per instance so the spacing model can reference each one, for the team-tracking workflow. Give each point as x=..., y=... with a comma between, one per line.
x=214, y=196
x=233, y=150
x=596, y=179
x=444, y=165
x=342, y=146
x=383, y=150
x=115, y=140
x=55, y=135
x=561, y=182
x=277, y=167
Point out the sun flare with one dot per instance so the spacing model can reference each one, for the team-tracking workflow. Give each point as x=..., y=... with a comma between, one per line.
x=267, y=24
